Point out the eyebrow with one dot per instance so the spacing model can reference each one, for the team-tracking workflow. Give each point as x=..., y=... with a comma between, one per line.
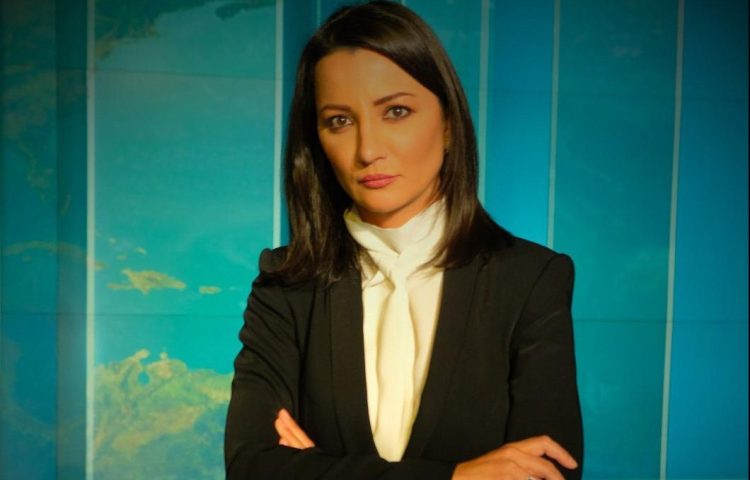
x=390, y=97
x=379, y=101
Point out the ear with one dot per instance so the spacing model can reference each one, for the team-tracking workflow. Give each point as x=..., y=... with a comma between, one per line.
x=447, y=136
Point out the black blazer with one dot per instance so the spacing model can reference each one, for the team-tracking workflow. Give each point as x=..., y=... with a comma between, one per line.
x=502, y=369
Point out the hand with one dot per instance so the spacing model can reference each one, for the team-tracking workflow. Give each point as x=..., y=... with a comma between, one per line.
x=520, y=460
x=290, y=434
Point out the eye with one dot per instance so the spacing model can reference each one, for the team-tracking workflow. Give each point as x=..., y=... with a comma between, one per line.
x=397, y=111
x=337, y=122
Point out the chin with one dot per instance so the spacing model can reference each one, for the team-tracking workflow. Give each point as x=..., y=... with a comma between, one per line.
x=381, y=205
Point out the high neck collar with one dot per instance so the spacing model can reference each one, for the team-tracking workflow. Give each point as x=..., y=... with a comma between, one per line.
x=395, y=241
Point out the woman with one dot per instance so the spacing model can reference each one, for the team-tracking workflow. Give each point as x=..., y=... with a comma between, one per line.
x=402, y=334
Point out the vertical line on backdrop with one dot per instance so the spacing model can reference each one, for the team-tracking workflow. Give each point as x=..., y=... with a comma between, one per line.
x=672, y=238
x=277, y=122
x=484, y=56
x=317, y=13
x=553, y=127
x=90, y=231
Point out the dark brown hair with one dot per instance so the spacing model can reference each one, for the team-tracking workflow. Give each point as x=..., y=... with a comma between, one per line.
x=320, y=245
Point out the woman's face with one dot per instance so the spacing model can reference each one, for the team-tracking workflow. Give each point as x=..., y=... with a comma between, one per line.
x=383, y=132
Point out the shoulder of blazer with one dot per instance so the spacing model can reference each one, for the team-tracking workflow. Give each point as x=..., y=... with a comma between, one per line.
x=522, y=259
x=298, y=294
x=519, y=248
x=271, y=259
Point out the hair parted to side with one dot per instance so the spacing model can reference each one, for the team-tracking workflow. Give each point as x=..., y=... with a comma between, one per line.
x=320, y=245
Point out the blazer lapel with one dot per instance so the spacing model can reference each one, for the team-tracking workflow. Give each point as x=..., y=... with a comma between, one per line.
x=348, y=363
x=455, y=310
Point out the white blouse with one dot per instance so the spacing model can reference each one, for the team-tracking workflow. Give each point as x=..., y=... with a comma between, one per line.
x=398, y=327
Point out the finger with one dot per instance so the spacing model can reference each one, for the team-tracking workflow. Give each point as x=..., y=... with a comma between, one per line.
x=295, y=429
x=279, y=426
x=534, y=466
x=286, y=438
x=538, y=467
x=281, y=431
x=544, y=445
x=286, y=435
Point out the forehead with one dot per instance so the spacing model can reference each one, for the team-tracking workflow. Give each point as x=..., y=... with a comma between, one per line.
x=357, y=72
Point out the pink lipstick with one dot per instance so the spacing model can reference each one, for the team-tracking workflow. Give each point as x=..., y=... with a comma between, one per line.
x=377, y=180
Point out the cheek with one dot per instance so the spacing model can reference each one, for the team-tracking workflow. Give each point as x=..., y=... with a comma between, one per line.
x=337, y=148
x=338, y=164
x=426, y=147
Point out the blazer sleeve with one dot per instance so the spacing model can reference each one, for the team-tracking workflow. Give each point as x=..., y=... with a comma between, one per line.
x=544, y=395
x=266, y=378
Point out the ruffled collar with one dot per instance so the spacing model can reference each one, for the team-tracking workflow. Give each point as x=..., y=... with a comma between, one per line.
x=409, y=247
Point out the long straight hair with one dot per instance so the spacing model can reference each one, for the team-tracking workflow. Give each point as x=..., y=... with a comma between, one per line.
x=320, y=245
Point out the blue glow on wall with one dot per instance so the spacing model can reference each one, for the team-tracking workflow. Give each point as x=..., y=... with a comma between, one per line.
x=138, y=143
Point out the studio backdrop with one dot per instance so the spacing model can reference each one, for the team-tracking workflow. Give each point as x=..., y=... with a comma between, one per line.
x=141, y=153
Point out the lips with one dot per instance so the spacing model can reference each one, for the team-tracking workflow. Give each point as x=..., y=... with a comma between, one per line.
x=377, y=180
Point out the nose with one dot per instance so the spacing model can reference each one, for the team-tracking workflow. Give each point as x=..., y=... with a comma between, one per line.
x=371, y=146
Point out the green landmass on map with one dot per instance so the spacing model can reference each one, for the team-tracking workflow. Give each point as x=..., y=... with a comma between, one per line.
x=159, y=419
